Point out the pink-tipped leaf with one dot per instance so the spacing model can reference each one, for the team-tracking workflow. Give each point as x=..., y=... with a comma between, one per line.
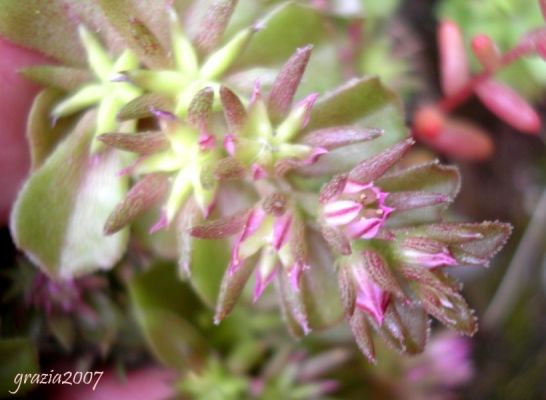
x=287, y=82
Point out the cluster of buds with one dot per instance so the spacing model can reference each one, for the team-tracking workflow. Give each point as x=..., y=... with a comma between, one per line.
x=391, y=274
x=462, y=139
x=389, y=264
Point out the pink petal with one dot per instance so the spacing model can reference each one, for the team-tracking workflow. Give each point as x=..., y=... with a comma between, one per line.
x=294, y=274
x=281, y=228
x=307, y=103
x=258, y=172
x=352, y=186
x=262, y=283
x=365, y=228
x=206, y=141
x=256, y=92
x=253, y=223
x=341, y=212
x=229, y=144
x=161, y=223
x=370, y=297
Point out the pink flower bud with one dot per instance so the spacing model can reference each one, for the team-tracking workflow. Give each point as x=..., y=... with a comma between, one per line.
x=458, y=139
x=454, y=70
x=486, y=51
x=509, y=106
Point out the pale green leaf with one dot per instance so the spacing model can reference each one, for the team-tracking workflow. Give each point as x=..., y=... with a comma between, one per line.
x=59, y=214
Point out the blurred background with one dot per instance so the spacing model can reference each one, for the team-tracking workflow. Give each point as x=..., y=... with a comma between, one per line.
x=138, y=322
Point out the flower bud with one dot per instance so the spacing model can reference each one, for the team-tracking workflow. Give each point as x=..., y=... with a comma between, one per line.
x=487, y=52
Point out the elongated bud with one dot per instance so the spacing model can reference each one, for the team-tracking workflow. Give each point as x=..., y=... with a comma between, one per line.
x=486, y=51
x=338, y=136
x=509, y=106
x=374, y=167
x=449, y=308
x=221, y=228
x=211, y=29
x=347, y=288
x=363, y=337
x=381, y=273
x=234, y=111
x=455, y=138
x=149, y=190
x=426, y=252
x=141, y=106
x=200, y=109
x=232, y=286
x=454, y=70
x=428, y=123
x=287, y=82
x=293, y=306
x=403, y=201
x=147, y=142
x=542, y=4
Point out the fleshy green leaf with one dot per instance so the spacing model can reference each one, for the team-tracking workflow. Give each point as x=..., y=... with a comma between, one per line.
x=432, y=177
x=145, y=142
x=62, y=78
x=231, y=289
x=366, y=103
x=162, y=304
x=362, y=334
x=67, y=201
x=150, y=190
x=320, y=283
x=132, y=23
x=42, y=134
x=141, y=106
x=209, y=260
x=42, y=26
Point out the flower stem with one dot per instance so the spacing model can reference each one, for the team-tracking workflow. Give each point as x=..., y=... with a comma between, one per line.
x=449, y=103
x=529, y=248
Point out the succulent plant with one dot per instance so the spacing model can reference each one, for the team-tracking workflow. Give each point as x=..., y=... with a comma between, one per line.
x=377, y=226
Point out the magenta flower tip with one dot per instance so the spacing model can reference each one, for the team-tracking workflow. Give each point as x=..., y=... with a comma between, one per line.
x=161, y=223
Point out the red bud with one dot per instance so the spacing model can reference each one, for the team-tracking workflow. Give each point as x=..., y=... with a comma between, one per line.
x=457, y=139
x=486, y=51
x=428, y=123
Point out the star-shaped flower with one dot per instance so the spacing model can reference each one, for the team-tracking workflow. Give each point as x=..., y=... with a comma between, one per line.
x=108, y=96
x=190, y=73
x=183, y=153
